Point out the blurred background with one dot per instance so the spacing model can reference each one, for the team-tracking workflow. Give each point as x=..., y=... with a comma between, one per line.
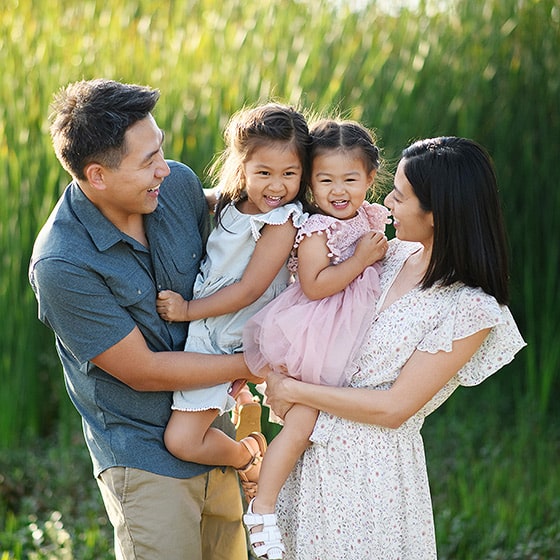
x=488, y=70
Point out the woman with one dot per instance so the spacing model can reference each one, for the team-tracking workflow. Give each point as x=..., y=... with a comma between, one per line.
x=361, y=490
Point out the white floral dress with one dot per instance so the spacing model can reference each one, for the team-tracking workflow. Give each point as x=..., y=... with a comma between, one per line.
x=361, y=491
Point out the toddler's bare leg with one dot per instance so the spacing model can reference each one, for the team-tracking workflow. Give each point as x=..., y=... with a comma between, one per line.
x=282, y=455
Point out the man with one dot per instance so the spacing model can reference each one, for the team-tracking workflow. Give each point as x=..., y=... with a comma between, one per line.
x=129, y=225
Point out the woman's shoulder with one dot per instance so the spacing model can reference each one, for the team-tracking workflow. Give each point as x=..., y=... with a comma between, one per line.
x=400, y=250
x=467, y=308
x=474, y=298
x=397, y=253
x=462, y=311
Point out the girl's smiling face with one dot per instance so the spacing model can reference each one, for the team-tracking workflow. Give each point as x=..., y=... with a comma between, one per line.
x=410, y=221
x=339, y=182
x=272, y=177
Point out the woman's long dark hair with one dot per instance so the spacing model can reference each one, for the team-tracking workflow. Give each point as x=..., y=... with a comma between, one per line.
x=454, y=178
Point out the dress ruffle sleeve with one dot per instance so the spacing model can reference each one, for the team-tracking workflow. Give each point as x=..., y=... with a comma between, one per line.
x=278, y=216
x=342, y=236
x=475, y=310
x=336, y=235
x=315, y=224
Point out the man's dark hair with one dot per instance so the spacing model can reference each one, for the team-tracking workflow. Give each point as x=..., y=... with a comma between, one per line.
x=89, y=120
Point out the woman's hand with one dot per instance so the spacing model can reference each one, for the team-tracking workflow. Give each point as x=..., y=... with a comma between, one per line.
x=278, y=393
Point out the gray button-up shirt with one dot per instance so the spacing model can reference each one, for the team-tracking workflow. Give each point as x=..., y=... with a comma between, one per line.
x=94, y=284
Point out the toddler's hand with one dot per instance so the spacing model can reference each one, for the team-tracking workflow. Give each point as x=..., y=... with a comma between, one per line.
x=171, y=306
x=371, y=247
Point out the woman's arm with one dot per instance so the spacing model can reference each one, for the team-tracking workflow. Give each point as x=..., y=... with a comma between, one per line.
x=422, y=376
x=319, y=279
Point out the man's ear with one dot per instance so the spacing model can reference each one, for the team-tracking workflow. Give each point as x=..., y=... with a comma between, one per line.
x=95, y=175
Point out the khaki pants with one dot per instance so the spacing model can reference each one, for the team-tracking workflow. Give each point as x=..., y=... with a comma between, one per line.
x=162, y=518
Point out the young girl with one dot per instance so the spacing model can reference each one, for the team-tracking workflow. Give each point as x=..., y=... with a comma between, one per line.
x=262, y=177
x=316, y=326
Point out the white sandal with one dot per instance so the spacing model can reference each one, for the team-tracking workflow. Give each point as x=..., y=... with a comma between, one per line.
x=266, y=543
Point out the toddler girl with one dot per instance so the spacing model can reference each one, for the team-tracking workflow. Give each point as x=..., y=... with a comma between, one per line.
x=314, y=328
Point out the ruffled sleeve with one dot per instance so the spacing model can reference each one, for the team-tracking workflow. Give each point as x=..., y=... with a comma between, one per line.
x=314, y=224
x=336, y=232
x=278, y=216
x=475, y=310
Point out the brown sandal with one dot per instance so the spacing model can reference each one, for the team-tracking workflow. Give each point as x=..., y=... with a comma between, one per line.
x=256, y=444
x=247, y=419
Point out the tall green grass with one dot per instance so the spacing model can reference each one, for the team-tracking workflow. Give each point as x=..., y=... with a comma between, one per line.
x=489, y=70
x=492, y=478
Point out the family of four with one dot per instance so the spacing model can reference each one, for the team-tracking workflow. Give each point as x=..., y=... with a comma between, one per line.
x=160, y=320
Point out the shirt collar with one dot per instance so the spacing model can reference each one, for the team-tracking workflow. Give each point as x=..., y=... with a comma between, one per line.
x=103, y=232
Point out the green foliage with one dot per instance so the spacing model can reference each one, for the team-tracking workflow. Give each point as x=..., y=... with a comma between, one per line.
x=494, y=498
x=488, y=70
x=491, y=477
x=50, y=507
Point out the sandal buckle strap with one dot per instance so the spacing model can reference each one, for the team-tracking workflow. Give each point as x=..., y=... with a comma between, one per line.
x=266, y=519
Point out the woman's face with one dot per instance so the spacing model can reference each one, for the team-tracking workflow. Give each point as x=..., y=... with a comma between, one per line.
x=410, y=221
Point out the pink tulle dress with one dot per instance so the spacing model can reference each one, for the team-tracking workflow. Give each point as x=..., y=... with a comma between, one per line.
x=316, y=339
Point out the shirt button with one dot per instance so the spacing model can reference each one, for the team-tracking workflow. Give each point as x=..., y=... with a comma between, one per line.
x=194, y=255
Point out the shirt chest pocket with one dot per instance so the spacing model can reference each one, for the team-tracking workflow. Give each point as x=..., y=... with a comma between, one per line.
x=134, y=290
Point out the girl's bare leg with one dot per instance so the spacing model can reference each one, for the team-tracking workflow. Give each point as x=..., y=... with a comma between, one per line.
x=282, y=454
x=189, y=437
